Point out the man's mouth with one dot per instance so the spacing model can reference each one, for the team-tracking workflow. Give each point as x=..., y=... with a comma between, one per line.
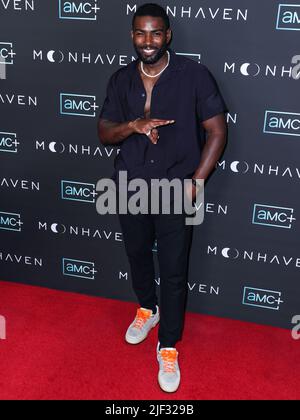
x=147, y=51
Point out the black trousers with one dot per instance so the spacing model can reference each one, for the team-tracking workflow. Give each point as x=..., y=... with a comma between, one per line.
x=173, y=246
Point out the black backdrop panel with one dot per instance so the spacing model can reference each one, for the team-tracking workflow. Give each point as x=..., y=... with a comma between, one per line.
x=245, y=258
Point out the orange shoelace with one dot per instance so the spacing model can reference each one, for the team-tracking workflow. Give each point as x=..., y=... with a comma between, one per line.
x=141, y=318
x=169, y=358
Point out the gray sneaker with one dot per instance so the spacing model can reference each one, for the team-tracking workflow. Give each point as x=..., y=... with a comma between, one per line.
x=169, y=372
x=139, y=329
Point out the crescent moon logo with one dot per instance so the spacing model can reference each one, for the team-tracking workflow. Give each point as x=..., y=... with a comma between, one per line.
x=56, y=228
x=236, y=254
x=247, y=167
x=245, y=69
x=61, y=56
x=225, y=253
x=258, y=70
x=52, y=147
x=63, y=147
x=50, y=56
x=234, y=166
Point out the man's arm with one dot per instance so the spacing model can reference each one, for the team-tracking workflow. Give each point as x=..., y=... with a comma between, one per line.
x=216, y=129
x=111, y=133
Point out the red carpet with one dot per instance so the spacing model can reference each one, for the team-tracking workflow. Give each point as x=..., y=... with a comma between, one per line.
x=68, y=346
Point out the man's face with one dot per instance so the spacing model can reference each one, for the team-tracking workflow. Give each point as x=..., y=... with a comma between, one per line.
x=150, y=38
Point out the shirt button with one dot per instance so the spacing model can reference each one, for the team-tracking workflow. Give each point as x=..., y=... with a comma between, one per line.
x=143, y=95
x=152, y=161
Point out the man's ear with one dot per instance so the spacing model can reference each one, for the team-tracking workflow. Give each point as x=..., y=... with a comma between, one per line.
x=169, y=34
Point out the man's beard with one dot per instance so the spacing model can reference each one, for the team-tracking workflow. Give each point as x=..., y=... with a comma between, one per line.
x=157, y=55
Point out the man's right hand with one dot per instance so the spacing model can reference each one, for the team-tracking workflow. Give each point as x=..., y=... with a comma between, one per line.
x=149, y=127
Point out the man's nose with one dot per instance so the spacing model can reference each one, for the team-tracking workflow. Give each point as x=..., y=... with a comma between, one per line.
x=148, y=39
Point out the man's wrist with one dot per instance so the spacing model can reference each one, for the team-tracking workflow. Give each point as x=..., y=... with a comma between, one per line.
x=131, y=124
x=197, y=182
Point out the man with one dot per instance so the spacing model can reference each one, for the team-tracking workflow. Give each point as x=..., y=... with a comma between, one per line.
x=160, y=107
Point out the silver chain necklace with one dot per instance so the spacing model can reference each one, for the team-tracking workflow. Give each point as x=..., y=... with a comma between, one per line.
x=149, y=75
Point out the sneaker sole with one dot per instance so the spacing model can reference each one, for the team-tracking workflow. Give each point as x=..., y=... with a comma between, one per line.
x=130, y=340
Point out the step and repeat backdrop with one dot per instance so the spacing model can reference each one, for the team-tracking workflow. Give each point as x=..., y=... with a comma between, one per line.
x=56, y=58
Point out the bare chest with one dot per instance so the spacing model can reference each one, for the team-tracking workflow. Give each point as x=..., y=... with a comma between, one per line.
x=148, y=85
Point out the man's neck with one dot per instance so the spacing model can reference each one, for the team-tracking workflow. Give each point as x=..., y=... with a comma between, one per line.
x=155, y=68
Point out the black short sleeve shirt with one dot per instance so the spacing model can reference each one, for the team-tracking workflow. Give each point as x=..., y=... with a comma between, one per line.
x=185, y=92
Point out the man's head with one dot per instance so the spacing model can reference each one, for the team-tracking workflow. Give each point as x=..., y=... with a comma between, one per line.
x=151, y=33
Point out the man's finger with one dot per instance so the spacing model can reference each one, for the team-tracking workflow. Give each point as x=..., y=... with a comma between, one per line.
x=162, y=121
x=170, y=122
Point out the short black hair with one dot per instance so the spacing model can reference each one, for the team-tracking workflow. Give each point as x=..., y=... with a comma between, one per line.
x=154, y=10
